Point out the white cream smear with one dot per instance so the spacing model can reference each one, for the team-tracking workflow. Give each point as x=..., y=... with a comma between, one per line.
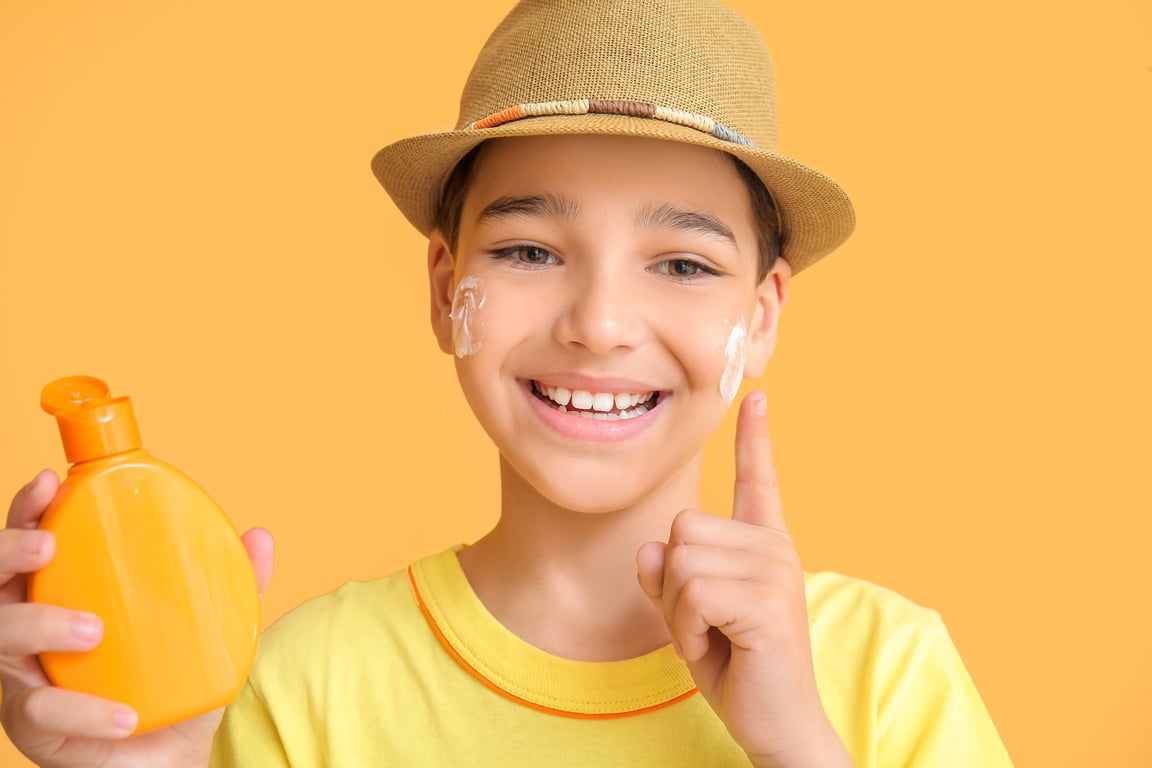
x=466, y=304
x=734, y=363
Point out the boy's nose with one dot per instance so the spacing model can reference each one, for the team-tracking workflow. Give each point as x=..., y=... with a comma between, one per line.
x=601, y=315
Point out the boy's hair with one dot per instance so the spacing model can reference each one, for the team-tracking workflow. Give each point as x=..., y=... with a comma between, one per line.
x=765, y=216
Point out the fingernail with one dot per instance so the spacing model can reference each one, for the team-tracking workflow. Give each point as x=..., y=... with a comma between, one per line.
x=761, y=404
x=35, y=482
x=125, y=719
x=87, y=628
x=34, y=541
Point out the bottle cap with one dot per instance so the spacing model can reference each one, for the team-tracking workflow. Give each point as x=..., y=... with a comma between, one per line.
x=92, y=423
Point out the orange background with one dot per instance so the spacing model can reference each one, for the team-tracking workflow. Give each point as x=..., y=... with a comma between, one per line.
x=959, y=403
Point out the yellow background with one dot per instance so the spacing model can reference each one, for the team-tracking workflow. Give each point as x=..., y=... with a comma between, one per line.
x=959, y=403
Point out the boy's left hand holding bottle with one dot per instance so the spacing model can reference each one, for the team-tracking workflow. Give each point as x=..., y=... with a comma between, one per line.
x=56, y=727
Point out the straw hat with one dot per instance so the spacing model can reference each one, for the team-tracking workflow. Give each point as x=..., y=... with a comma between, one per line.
x=692, y=71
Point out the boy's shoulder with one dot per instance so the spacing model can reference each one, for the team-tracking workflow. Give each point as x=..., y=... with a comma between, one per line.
x=890, y=676
x=332, y=633
x=834, y=597
x=857, y=624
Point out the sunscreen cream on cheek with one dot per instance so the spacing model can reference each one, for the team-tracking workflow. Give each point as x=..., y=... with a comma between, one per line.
x=733, y=362
x=466, y=304
x=144, y=548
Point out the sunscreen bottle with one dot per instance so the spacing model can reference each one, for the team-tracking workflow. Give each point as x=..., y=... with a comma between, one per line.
x=144, y=548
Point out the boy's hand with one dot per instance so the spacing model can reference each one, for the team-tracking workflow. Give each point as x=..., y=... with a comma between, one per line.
x=50, y=725
x=732, y=594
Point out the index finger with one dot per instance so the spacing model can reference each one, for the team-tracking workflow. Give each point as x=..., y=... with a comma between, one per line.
x=756, y=498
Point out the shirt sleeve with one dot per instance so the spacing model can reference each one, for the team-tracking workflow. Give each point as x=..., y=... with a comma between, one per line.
x=248, y=737
x=932, y=714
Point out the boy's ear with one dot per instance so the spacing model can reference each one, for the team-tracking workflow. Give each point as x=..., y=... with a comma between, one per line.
x=771, y=295
x=441, y=284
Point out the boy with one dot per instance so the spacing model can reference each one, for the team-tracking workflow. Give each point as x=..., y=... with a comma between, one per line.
x=611, y=241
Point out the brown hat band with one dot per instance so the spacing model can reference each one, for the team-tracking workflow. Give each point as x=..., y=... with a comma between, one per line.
x=613, y=107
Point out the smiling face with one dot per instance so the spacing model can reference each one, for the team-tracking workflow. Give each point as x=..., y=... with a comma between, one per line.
x=602, y=305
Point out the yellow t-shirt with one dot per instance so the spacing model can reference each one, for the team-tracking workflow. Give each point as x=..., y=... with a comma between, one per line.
x=411, y=670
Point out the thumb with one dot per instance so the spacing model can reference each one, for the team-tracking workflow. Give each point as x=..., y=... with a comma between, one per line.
x=650, y=574
x=258, y=542
x=650, y=571
x=756, y=497
x=29, y=503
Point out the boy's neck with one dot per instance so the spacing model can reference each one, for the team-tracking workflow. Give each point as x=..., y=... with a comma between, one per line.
x=565, y=581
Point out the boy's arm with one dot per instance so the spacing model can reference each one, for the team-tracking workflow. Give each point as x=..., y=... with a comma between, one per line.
x=732, y=594
x=932, y=714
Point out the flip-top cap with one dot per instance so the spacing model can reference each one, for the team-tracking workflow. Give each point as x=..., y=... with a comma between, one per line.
x=92, y=423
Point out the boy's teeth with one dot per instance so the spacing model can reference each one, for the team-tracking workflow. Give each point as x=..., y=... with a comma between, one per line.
x=602, y=402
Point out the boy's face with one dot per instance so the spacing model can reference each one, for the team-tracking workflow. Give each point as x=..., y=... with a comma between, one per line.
x=606, y=307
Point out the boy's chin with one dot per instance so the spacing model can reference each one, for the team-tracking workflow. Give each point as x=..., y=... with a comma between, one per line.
x=598, y=506
x=604, y=493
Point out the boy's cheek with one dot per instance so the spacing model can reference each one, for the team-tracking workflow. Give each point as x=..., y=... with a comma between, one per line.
x=490, y=317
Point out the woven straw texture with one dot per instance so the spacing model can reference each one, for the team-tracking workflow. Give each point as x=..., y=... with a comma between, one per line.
x=695, y=56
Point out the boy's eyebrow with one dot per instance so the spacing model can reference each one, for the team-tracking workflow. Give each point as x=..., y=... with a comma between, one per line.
x=546, y=204
x=651, y=217
x=670, y=217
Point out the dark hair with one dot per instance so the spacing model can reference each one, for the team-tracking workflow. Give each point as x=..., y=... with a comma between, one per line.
x=764, y=212
x=450, y=207
x=765, y=216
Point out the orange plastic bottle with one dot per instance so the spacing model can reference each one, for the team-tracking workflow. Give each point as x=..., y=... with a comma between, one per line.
x=145, y=549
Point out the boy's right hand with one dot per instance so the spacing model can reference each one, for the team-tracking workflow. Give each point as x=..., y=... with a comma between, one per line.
x=56, y=727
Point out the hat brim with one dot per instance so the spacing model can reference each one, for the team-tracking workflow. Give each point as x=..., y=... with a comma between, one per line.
x=816, y=213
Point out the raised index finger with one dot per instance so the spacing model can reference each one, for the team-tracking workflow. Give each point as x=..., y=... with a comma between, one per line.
x=756, y=498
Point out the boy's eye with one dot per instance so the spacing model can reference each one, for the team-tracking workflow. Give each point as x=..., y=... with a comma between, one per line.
x=528, y=255
x=683, y=269
x=535, y=255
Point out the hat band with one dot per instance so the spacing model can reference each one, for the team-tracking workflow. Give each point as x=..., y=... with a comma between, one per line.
x=613, y=107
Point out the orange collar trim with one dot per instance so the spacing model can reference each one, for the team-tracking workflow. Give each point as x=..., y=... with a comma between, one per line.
x=468, y=666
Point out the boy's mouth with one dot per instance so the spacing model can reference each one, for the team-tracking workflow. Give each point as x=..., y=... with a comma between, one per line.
x=606, y=406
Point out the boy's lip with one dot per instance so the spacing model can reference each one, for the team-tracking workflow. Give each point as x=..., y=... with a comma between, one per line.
x=576, y=427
